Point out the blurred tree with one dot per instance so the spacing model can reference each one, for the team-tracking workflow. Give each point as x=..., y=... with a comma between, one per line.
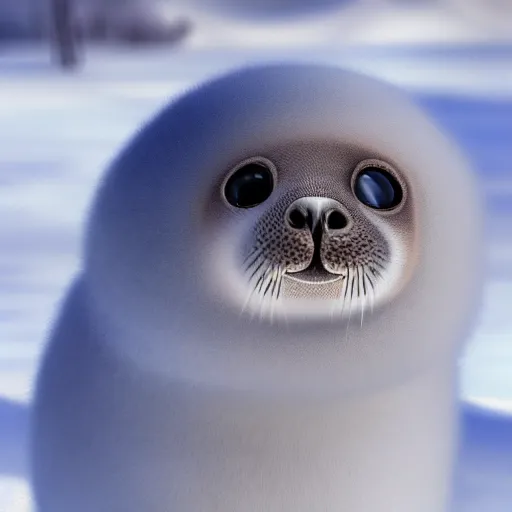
x=64, y=36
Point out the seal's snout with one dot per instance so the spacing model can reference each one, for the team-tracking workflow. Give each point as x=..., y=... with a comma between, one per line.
x=319, y=215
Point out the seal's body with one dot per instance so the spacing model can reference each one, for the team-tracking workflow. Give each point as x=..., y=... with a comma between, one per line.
x=279, y=273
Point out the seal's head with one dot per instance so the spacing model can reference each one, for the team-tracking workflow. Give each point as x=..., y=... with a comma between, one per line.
x=317, y=229
x=291, y=226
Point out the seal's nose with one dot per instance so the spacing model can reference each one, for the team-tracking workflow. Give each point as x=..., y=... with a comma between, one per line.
x=317, y=214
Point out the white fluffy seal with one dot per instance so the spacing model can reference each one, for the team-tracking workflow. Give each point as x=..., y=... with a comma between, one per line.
x=279, y=272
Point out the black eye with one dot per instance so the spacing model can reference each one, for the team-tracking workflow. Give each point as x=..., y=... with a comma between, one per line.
x=377, y=188
x=249, y=186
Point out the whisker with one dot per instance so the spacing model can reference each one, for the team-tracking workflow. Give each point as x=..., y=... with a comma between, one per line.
x=360, y=277
x=347, y=281
x=379, y=264
x=349, y=310
x=363, y=304
x=375, y=272
x=257, y=269
x=336, y=305
x=278, y=293
x=267, y=277
x=250, y=266
x=271, y=275
x=370, y=281
x=275, y=280
x=259, y=285
x=246, y=302
x=276, y=276
x=254, y=253
x=339, y=305
x=261, y=280
x=371, y=296
x=250, y=294
x=363, y=284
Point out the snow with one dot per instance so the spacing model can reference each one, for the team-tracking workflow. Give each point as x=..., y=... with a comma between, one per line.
x=59, y=131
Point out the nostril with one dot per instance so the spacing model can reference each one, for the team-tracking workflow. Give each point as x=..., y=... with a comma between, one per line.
x=336, y=220
x=297, y=219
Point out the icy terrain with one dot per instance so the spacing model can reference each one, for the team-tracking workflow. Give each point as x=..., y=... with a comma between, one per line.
x=59, y=131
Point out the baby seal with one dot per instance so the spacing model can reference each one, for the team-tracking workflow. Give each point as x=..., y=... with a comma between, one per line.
x=279, y=272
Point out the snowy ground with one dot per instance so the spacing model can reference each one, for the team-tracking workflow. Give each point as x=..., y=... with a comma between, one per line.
x=58, y=132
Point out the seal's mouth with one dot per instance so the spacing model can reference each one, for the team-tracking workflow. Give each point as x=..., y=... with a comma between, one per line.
x=314, y=276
